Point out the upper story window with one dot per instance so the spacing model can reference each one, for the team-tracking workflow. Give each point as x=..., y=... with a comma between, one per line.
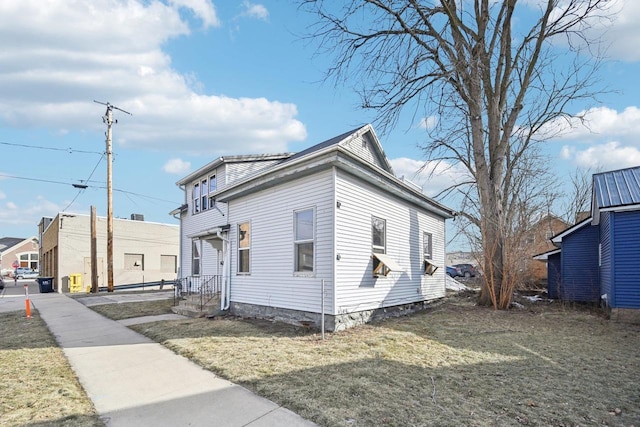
x=202, y=196
x=196, y=198
x=304, y=225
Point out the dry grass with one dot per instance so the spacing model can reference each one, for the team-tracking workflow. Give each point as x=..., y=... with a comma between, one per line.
x=128, y=310
x=457, y=364
x=37, y=385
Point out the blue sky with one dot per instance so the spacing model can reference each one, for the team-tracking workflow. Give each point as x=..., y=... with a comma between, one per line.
x=208, y=78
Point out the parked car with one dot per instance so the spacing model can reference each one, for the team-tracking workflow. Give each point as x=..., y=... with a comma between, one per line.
x=453, y=271
x=467, y=270
x=25, y=273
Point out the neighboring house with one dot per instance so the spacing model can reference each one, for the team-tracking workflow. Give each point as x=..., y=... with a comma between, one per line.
x=18, y=251
x=599, y=257
x=539, y=241
x=143, y=251
x=328, y=230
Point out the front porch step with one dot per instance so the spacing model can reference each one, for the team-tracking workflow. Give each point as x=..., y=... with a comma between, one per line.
x=190, y=307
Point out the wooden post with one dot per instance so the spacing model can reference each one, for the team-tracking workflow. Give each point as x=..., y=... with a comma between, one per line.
x=109, y=204
x=94, y=253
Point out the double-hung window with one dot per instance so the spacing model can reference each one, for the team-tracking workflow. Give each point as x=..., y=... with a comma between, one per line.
x=427, y=250
x=195, y=258
x=196, y=198
x=304, y=231
x=244, y=247
x=378, y=244
x=203, y=197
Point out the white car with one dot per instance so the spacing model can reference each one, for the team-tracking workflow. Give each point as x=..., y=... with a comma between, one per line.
x=25, y=273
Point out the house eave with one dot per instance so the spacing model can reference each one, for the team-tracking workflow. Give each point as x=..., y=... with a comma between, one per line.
x=545, y=255
x=557, y=239
x=343, y=159
x=230, y=159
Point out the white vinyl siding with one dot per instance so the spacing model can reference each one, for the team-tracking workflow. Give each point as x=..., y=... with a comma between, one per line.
x=241, y=170
x=273, y=281
x=356, y=289
x=363, y=147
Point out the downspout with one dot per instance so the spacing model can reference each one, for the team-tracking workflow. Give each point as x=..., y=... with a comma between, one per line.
x=184, y=190
x=226, y=276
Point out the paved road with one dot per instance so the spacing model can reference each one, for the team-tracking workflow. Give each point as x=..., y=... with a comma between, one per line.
x=12, y=297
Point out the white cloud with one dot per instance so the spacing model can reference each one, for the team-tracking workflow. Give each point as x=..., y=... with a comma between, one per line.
x=432, y=176
x=111, y=51
x=255, y=10
x=2, y=195
x=177, y=166
x=598, y=124
x=609, y=156
x=622, y=31
x=428, y=122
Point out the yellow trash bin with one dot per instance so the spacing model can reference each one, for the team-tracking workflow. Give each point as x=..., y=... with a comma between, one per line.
x=75, y=283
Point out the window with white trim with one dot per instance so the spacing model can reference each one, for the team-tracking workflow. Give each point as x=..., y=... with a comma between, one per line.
x=428, y=267
x=196, y=198
x=379, y=244
x=203, y=197
x=304, y=233
x=195, y=258
x=244, y=247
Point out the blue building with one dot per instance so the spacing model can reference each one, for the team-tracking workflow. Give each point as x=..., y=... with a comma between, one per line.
x=599, y=258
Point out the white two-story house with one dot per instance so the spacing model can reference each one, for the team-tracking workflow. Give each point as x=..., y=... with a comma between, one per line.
x=325, y=236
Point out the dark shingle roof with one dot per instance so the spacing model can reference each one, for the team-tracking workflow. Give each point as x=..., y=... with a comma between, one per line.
x=325, y=144
x=617, y=188
x=9, y=242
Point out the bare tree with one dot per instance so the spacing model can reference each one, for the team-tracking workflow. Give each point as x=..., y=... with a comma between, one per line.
x=494, y=73
x=578, y=199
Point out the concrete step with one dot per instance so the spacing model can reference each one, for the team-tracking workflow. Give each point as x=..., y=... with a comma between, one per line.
x=191, y=307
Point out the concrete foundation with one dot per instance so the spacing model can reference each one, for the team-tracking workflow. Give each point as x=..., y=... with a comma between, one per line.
x=332, y=323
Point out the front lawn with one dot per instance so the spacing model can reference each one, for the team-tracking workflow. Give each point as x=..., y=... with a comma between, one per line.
x=456, y=364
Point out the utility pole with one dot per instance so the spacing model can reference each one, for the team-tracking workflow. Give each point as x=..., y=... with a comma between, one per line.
x=94, y=252
x=108, y=120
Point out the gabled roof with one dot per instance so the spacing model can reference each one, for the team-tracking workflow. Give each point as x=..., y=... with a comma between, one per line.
x=342, y=139
x=9, y=242
x=557, y=239
x=615, y=190
x=545, y=255
x=6, y=243
x=231, y=159
x=337, y=152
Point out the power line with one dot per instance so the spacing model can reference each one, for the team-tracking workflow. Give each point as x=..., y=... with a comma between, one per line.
x=68, y=150
x=88, y=186
x=84, y=186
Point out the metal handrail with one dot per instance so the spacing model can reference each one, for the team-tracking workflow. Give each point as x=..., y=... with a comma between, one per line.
x=206, y=287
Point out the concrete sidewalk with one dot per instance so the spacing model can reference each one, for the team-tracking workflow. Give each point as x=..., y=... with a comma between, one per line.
x=134, y=381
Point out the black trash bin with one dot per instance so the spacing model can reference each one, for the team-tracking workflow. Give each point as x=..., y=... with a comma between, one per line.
x=45, y=284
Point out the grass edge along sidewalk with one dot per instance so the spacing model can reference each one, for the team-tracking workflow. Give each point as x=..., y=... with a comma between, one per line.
x=457, y=364
x=38, y=386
